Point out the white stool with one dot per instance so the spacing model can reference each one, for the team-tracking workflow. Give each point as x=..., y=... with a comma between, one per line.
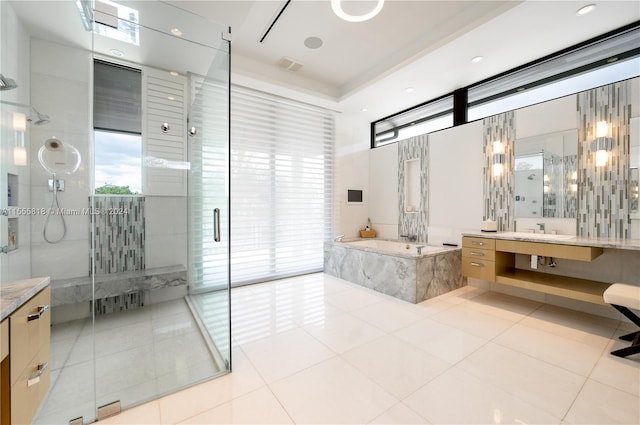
x=623, y=297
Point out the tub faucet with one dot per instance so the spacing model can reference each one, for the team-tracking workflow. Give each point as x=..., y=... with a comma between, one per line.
x=541, y=226
x=338, y=238
x=410, y=238
x=419, y=248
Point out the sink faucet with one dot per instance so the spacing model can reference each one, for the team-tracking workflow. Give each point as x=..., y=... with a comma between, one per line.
x=410, y=238
x=541, y=226
x=338, y=238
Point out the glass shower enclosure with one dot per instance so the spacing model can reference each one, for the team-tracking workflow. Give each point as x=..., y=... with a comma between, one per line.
x=116, y=137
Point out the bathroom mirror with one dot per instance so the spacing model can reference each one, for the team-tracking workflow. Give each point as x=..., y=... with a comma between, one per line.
x=546, y=175
x=634, y=164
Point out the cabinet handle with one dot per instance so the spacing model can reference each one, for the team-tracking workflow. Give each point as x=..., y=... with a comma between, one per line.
x=36, y=377
x=474, y=264
x=40, y=312
x=477, y=243
x=216, y=225
x=477, y=254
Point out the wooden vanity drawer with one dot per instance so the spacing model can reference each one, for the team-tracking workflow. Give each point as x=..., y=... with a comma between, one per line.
x=30, y=331
x=4, y=339
x=482, y=243
x=30, y=388
x=479, y=269
x=482, y=254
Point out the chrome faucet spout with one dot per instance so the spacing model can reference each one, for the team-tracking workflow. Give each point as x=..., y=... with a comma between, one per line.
x=338, y=238
x=541, y=227
x=410, y=238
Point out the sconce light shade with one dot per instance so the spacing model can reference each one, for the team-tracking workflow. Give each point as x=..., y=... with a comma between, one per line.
x=498, y=158
x=20, y=156
x=603, y=144
x=19, y=122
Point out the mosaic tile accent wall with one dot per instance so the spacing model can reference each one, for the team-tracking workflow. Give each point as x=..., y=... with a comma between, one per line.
x=570, y=184
x=119, y=234
x=603, y=198
x=499, y=203
x=413, y=223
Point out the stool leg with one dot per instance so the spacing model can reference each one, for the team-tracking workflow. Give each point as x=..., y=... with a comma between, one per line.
x=629, y=337
x=628, y=314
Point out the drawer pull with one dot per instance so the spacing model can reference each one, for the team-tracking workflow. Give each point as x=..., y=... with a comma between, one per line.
x=477, y=254
x=40, y=312
x=36, y=378
x=474, y=264
x=477, y=243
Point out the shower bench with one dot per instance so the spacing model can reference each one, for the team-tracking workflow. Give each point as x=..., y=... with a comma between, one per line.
x=79, y=290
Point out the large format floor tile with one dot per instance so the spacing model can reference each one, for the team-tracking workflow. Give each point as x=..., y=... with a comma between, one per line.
x=316, y=349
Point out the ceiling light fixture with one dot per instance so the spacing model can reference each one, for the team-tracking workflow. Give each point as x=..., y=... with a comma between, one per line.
x=409, y=89
x=173, y=73
x=364, y=109
x=336, y=5
x=176, y=32
x=476, y=59
x=586, y=9
x=117, y=53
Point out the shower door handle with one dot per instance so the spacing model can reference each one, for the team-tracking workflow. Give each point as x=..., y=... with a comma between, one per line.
x=216, y=224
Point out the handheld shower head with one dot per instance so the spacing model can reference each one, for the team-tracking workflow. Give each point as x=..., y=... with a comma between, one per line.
x=38, y=118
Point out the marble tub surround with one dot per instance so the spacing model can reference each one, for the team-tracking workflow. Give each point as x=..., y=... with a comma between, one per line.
x=408, y=277
x=14, y=294
x=79, y=290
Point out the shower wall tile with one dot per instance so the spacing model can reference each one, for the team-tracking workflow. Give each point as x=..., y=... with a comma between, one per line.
x=499, y=203
x=603, y=196
x=413, y=223
x=119, y=237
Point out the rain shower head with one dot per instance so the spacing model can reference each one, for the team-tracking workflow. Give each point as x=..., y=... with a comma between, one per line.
x=7, y=83
x=38, y=118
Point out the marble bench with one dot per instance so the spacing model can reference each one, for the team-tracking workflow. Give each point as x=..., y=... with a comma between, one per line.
x=79, y=289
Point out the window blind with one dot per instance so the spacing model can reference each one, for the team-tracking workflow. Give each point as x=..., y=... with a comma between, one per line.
x=281, y=186
x=117, y=98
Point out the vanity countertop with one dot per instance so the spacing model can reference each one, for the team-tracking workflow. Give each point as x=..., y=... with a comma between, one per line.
x=14, y=294
x=611, y=243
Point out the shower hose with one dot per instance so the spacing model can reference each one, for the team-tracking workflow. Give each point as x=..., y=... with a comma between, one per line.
x=54, y=201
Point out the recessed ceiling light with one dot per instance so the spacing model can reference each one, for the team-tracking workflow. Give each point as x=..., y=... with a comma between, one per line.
x=171, y=98
x=409, y=89
x=336, y=5
x=364, y=109
x=176, y=32
x=612, y=59
x=313, y=42
x=173, y=73
x=476, y=59
x=117, y=53
x=586, y=9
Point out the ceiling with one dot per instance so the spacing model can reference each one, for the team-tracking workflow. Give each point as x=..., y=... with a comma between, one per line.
x=423, y=44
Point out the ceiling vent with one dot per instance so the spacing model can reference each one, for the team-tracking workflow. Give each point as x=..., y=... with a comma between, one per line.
x=289, y=64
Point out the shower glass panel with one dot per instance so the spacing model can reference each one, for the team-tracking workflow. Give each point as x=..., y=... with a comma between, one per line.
x=160, y=204
x=136, y=243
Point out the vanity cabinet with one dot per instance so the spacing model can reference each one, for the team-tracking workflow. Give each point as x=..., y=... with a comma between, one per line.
x=25, y=370
x=478, y=258
x=494, y=260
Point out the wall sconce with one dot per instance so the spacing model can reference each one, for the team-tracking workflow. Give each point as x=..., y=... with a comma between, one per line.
x=498, y=158
x=19, y=150
x=573, y=182
x=603, y=144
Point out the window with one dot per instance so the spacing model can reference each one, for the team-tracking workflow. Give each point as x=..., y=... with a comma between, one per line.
x=117, y=122
x=281, y=178
x=426, y=118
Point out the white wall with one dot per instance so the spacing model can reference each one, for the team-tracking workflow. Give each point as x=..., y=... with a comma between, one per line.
x=61, y=88
x=455, y=183
x=383, y=194
x=14, y=57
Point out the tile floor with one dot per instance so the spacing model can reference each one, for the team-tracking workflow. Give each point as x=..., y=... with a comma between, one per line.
x=316, y=349
x=139, y=354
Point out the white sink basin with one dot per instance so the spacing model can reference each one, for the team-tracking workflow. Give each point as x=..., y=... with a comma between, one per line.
x=541, y=236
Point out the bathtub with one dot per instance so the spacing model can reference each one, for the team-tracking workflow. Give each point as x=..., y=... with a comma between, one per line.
x=396, y=247
x=396, y=268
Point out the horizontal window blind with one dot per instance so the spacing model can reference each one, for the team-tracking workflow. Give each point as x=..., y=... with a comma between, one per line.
x=281, y=186
x=117, y=98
